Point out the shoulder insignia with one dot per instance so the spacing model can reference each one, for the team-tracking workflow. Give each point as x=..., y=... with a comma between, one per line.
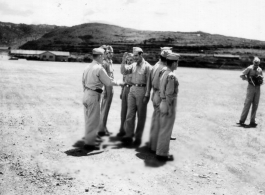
x=172, y=77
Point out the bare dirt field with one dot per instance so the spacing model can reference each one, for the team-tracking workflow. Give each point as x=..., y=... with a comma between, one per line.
x=41, y=118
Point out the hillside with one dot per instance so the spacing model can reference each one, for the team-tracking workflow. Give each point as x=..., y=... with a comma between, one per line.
x=82, y=38
x=15, y=35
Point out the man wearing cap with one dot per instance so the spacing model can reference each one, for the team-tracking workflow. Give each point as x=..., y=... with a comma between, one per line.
x=137, y=99
x=153, y=83
x=168, y=94
x=107, y=94
x=253, y=92
x=94, y=77
x=128, y=60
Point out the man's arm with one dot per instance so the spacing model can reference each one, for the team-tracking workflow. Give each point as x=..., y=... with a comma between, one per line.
x=83, y=82
x=149, y=84
x=244, y=74
x=147, y=94
x=106, y=80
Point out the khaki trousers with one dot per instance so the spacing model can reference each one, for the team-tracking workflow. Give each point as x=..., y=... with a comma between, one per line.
x=252, y=97
x=124, y=107
x=135, y=104
x=166, y=127
x=155, y=122
x=92, y=115
x=107, y=96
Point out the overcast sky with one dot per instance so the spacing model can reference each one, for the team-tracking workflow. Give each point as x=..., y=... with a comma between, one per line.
x=238, y=18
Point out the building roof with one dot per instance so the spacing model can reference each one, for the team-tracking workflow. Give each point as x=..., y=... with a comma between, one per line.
x=3, y=48
x=26, y=52
x=226, y=56
x=59, y=53
x=38, y=52
x=191, y=54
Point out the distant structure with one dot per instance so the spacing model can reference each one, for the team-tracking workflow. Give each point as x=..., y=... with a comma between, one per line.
x=4, y=52
x=61, y=56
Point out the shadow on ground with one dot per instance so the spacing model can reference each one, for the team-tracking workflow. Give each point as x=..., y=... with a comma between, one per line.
x=149, y=158
x=78, y=151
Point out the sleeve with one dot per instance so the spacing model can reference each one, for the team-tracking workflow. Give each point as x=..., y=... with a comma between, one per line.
x=83, y=81
x=171, y=88
x=126, y=69
x=245, y=72
x=149, y=84
x=105, y=65
x=105, y=79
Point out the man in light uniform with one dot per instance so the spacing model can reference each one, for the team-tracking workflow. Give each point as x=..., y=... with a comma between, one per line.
x=94, y=77
x=153, y=83
x=168, y=93
x=107, y=94
x=253, y=92
x=128, y=60
x=137, y=101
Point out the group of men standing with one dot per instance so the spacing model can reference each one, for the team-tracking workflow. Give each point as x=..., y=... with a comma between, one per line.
x=139, y=78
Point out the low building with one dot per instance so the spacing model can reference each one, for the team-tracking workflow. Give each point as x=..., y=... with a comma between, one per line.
x=227, y=56
x=41, y=55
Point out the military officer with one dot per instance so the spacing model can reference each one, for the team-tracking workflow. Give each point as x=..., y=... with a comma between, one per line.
x=107, y=94
x=253, y=93
x=168, y=93
x=137, y=99
x=153, y=83
x=128, y=60
x=94, y=77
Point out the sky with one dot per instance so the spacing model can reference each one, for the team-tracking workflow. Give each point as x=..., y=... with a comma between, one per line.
x=237, y=18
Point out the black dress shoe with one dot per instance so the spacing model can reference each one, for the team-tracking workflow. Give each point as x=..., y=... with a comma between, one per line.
x=126, y=140
x=173, y=138
x=242, y=124
x=103, y=133
x=121, y=134
x=137, y=142
x=165, y=158
x=91, y=147
x=253, y=124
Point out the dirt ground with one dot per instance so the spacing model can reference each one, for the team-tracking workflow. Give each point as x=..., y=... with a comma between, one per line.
x=41, y=118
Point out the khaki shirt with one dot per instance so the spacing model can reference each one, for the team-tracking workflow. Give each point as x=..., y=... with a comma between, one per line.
x=128, y=77
x=140, y=74
x=168, y=86
x=95, y=76
x=250, y=72
x=154, y=80
x=108, y=66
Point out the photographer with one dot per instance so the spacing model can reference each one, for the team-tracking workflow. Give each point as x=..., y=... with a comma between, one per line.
x=252, y=74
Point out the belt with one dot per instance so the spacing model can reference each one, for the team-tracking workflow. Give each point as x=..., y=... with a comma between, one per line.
x=96, y=90
x=139, y=85
x=127, y=85
x=155, y=89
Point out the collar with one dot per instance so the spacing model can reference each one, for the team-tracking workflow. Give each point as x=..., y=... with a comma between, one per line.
x=143, y=61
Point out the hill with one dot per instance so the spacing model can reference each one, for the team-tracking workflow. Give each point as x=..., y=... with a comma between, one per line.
x=15, y=35
x=82, y=38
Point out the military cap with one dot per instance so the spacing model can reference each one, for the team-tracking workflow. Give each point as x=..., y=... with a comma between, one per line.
x=136, y=50
x=165, y=53
x=165, y=48
x=99, y=51
x=173, y=56
x=103, y=47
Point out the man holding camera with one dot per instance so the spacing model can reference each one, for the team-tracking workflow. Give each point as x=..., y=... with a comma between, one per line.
x=252, y=74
